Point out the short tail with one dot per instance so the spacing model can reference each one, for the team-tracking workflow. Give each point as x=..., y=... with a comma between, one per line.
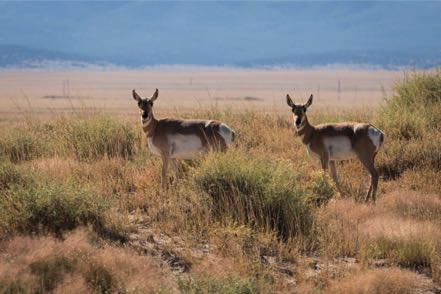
x=381, y=139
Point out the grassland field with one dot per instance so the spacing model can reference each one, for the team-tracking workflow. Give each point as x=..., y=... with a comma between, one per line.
x=82, y=209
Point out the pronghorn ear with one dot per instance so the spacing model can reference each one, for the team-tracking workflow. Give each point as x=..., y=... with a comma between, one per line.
x=155, y=95
x=136, y=96
x=289, y=101
x=309, y=102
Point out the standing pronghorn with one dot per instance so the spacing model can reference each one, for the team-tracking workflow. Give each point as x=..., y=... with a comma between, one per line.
x=339, y=141
x=180, y=139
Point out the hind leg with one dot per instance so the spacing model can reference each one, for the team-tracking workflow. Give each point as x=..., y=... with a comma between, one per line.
x=368, y=162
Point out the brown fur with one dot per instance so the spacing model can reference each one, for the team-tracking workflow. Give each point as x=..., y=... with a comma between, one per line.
x=209, y=135
x=357, y=133
x=159, y=131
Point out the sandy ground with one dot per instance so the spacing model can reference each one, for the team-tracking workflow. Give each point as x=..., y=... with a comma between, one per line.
x=184, y=89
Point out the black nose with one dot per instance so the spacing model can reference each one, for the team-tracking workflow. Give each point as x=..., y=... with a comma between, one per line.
x=298, y=121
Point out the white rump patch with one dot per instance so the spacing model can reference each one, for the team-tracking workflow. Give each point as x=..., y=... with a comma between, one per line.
x=339, y=147
x=227, y=133
x=357, y=126
x=207, y=123
x=155, y=150
x=185, y=146
x=375, y=135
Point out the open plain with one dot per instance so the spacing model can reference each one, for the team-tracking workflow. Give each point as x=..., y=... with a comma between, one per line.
x=187, y=88
x=82, y=209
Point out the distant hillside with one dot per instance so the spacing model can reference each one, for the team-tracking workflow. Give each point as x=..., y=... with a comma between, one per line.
x=137, y=34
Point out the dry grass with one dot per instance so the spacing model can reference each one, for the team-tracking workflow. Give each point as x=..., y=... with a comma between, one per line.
x=241, y=222
x=377, y=281
x=76, y=264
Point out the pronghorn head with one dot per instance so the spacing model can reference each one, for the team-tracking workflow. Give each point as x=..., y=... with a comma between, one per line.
x=299, y=111
x=145, y=104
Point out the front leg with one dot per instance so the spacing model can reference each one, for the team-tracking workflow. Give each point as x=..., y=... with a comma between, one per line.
x=324, y=159
x=334, y=175
x=164, y=179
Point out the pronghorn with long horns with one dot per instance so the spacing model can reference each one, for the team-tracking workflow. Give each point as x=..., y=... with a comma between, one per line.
x=339, y=141
x=174, y=139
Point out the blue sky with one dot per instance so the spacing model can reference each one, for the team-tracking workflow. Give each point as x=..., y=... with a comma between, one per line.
x=220, y=32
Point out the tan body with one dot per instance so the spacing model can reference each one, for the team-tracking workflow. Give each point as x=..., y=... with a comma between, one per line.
x=173, y=139
x=339, y=141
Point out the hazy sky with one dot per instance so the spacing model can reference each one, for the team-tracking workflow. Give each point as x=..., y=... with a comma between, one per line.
x=220, y=32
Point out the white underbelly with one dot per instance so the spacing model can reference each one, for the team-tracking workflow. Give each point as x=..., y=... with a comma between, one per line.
x=339, y=148
x=185, y=146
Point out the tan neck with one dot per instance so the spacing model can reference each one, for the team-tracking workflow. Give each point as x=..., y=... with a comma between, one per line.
x=305, y=132
x=149, y=125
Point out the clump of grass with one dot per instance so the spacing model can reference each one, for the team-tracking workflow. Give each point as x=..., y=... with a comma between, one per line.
x=412, y=120
x=22, y=144
x=415, y=107
x=214, y=285
x=51, y=207
x=93, y=139
x=9, y=175
x=258, y=192
x=322, y=189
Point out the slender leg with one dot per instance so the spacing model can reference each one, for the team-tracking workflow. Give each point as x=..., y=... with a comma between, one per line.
x=334, y=174
x=164, y=179
x=325, y=161
x=175, y=168
x=368, y=163
x=375, y=178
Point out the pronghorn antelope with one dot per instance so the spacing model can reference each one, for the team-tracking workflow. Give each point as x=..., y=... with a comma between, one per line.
x=339, y=141
x=174, y=139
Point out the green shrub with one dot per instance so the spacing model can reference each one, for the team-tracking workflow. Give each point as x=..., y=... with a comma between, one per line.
x=212, y=285
x=415, y=106
x=98, y=138
x=257, y=192
x=51, y=207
